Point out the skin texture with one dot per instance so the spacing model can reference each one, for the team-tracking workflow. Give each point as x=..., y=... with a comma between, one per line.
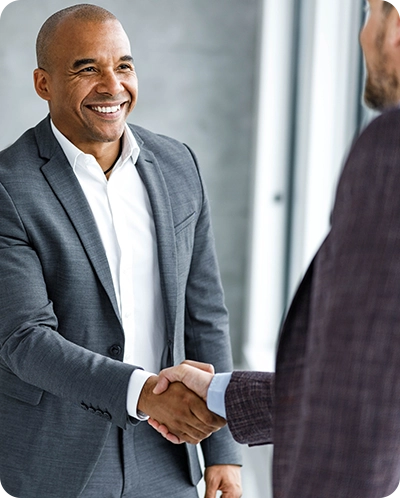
x=97, y=71
x=380, y=41
x=181, y=410
x=194, y=375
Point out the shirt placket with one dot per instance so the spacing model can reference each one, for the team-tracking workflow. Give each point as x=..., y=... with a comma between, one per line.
x=122, y=232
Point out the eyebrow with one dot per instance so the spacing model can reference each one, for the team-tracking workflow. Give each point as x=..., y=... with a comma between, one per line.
x=83, y=62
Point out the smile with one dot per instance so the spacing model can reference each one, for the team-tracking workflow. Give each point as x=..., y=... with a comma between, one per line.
x=106, y=110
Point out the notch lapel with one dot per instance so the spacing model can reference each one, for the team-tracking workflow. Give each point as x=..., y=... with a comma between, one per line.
x=67, y=189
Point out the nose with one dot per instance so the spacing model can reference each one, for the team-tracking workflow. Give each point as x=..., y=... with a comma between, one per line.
x=109, y=83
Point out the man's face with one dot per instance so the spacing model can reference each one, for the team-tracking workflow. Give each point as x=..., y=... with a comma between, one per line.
x=91, y=84
x=382, y=85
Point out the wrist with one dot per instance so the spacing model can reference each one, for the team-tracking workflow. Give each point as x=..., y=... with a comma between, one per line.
x=146, y=395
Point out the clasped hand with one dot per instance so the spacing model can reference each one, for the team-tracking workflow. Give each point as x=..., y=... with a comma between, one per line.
x=175, y=401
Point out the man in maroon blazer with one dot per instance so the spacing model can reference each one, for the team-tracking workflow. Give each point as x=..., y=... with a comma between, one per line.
x=333, y=408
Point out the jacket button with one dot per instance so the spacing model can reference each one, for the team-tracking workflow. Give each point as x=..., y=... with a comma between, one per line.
x=115, y=350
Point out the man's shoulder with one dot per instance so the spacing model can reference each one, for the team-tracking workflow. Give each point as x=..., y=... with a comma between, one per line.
x=383, y=128
x=377, y=144
x=26, y=146
x=23, y=157
x=26, y=140
x=157, y=141
x=24, y=150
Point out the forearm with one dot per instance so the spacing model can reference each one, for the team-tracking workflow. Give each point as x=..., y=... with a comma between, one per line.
x=249, y=403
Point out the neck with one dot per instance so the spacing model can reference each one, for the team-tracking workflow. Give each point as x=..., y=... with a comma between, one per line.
x=106, y=154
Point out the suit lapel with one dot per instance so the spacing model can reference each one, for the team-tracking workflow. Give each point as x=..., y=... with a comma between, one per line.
x=152, y=177
x=67, y=189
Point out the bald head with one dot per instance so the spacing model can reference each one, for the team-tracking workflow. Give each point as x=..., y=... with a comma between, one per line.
x=46, y=36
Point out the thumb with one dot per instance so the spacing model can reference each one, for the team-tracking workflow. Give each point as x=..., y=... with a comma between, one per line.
x=172, y=374
x=162, y=384
x=206, y=367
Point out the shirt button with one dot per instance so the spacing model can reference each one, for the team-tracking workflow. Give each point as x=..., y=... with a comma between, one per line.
x=115, y=350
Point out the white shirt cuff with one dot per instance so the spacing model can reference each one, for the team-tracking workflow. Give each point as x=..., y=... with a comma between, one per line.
x=216, y=393
x=135, y=386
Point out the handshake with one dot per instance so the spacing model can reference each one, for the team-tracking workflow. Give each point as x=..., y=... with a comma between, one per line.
x=175, y=401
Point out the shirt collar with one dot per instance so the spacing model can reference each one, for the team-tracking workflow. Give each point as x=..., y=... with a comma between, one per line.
x=130, y=147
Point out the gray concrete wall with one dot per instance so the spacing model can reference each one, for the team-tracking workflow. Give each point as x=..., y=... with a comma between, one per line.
x=197, y=63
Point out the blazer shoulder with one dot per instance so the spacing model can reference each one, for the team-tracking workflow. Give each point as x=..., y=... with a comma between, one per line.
x=374, y=156
x=383, y=130
x=158, y=143
x=25, y=142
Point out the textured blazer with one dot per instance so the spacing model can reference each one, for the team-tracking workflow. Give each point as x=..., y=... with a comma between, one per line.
x=62, y=379
x=335, y=406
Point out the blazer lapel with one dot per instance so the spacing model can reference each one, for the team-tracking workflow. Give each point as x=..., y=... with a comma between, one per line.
x=151, y=175
x=67, y=189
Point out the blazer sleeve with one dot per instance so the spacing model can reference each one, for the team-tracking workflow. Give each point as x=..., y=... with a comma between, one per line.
x=206, y=324
x=34, y=356
x=249, y=402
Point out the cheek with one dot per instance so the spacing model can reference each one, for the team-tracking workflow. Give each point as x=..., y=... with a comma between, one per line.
x=364, y=35
x=366, y=44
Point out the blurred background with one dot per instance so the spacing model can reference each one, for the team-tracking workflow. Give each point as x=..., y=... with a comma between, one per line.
x=268, y=94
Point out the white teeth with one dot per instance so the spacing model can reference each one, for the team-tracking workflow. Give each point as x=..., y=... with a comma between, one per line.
x=107, y=110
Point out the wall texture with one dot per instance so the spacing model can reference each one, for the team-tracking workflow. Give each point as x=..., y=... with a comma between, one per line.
x=197, y=67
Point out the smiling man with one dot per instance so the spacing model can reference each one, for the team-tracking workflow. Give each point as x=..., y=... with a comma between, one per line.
x=108, y=273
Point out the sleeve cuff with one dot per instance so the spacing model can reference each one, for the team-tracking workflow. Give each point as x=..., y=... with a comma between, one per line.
x=216, y=393
x=135, y=386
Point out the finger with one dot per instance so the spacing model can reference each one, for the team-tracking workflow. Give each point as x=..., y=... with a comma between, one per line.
x=163, y=430
x=167, y=376
x=189, y=433
x=173, y=439
x=208, y=419
x=207, y=367
x=211, y=491
x=153, y=423
x=162, y=384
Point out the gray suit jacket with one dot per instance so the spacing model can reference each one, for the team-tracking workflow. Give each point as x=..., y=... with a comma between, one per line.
x=62, y=381
x=336, y=411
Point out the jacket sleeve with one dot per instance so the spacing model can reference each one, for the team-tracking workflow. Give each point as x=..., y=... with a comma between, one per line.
x=249, y=402
x=34, y=357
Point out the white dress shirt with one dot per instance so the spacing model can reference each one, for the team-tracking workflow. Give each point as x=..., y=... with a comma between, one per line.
x=124, y=218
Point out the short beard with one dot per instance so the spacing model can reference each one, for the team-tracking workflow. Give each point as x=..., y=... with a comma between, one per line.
x=381, y=87
x=381, y=90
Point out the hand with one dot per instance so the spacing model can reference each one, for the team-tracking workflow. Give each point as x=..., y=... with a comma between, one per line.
x=225, y=478
x=195, y=375
x=179, y=409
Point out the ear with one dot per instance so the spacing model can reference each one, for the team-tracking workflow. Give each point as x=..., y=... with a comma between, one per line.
x=41, y=79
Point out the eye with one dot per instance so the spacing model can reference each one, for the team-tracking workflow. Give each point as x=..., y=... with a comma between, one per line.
x=89, y=69
x=125, y=67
